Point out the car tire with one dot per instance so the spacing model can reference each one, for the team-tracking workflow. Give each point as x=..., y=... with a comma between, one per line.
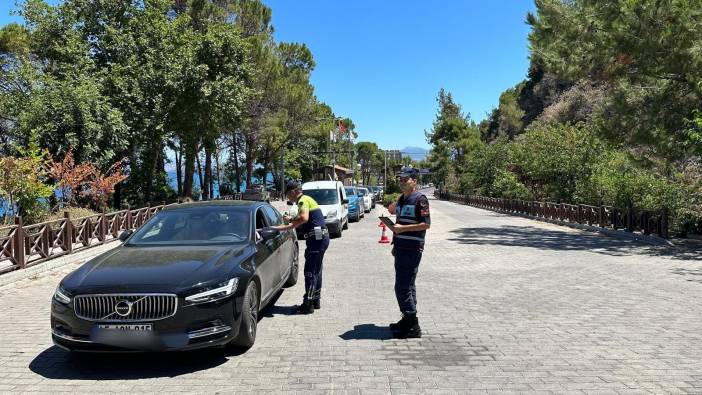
x=340, y=230
x=294, y=269
x=346, y=223
x=249, y=317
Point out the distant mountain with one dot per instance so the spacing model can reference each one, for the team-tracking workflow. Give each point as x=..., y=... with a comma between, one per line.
x=416, y=153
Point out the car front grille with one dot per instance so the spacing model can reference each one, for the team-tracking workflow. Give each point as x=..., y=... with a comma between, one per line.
x=125, y=307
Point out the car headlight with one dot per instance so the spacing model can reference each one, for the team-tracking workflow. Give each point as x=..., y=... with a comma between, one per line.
x=331, y=214
x=61, y=295
x=216, y=292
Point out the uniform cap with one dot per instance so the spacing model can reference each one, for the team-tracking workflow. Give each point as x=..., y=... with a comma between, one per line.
x=291, y=186
x=408, y=172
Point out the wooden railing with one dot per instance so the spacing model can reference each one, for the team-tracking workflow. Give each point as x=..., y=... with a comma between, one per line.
x=629, y=219
x=25, y=246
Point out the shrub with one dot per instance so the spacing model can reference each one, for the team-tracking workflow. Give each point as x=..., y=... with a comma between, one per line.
x=506, y=185
x=484, y=165
x=555, y=158
x=22, y=185
x=390, y=198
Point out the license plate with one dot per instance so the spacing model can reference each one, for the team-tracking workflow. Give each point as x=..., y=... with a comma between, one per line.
x=123, y=327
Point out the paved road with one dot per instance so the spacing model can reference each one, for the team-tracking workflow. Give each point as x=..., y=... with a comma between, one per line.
x=506, y=304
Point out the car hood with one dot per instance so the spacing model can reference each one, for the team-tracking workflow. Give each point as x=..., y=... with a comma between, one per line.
x=326, y=208
x=155, y=268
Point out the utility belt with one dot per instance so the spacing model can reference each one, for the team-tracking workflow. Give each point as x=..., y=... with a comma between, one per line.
x=318, y=233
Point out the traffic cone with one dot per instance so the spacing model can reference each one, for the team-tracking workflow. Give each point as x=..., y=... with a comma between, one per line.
x=383, y=237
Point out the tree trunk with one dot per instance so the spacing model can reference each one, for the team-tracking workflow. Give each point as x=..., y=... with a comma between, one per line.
x=179, y=170
x=190, y=154
x=207, y=190
x=117, y=197
x=199, y=175
x=249, y=161
x=234, y=158
x=264, y=179
x=236, y=162
x=219, y=172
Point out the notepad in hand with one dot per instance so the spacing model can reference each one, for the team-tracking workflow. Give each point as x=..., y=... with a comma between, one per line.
x=388, y=222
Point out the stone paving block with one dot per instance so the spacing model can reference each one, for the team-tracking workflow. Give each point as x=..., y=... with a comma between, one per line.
x=507, y=305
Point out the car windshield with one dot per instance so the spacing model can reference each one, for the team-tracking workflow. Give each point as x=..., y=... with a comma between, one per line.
x=323, y=196
x=362, y=191
x=200, y=225
x=350, y=191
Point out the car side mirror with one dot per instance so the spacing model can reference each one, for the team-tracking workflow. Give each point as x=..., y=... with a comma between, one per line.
x=289, y=203
x=269, y=233
x=345, y=201
x=125, y=235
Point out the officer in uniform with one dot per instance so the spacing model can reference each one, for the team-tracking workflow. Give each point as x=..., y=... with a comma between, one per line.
x=412, y=213
x=311, y=221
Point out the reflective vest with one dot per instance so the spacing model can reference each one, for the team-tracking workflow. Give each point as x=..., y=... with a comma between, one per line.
x=409, y=211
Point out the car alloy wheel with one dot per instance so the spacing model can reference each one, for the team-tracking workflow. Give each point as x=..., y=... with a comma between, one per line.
x=253, y=313
x=249, y=317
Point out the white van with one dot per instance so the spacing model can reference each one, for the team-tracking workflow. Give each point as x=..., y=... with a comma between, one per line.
x=331, y=197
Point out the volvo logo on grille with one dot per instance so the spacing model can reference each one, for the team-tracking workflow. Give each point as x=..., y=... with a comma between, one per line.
x=123, y=308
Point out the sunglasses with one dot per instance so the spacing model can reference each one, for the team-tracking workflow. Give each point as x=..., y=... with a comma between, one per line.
x=403, y=179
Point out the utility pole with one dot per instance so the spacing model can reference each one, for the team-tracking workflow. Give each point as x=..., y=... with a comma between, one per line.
x=282, y=176
x=385, y=176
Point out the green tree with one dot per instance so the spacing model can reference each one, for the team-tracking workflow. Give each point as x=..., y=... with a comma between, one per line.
x=646, y=51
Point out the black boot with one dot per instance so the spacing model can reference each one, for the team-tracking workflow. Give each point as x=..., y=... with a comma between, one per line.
x=317, y=303
x=410, y=330
x=305, y=308
x=400, y=325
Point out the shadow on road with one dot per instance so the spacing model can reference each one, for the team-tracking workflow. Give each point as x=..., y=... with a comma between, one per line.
x=694, y=275
x=55, y=363
x=272, y=311
x=367, y=332
x=545, y=239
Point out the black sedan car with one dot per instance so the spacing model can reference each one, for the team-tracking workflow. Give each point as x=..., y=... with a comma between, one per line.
x=194, y=275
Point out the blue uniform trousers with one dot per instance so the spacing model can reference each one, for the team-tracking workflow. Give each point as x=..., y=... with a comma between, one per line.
x=406, y=268
x=314, y=254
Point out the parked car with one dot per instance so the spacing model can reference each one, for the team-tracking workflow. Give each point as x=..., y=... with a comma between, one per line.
x=194, y=275
x=356, y=208
x=331, y=197
x=372, y=195
x=367, y=199
x=257, y=193
x=376, y=194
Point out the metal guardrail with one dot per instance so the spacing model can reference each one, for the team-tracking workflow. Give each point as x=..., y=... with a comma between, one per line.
x=25, y=246
x=607, y=217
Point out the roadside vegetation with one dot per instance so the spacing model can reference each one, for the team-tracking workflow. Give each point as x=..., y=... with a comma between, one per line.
x=103, y=103
x=610, y=114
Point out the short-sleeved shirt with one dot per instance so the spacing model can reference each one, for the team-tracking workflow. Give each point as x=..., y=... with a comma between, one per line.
x=316, y=218
x=411, y=210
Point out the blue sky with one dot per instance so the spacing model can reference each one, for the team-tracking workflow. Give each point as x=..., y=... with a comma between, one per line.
x=382, y=63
